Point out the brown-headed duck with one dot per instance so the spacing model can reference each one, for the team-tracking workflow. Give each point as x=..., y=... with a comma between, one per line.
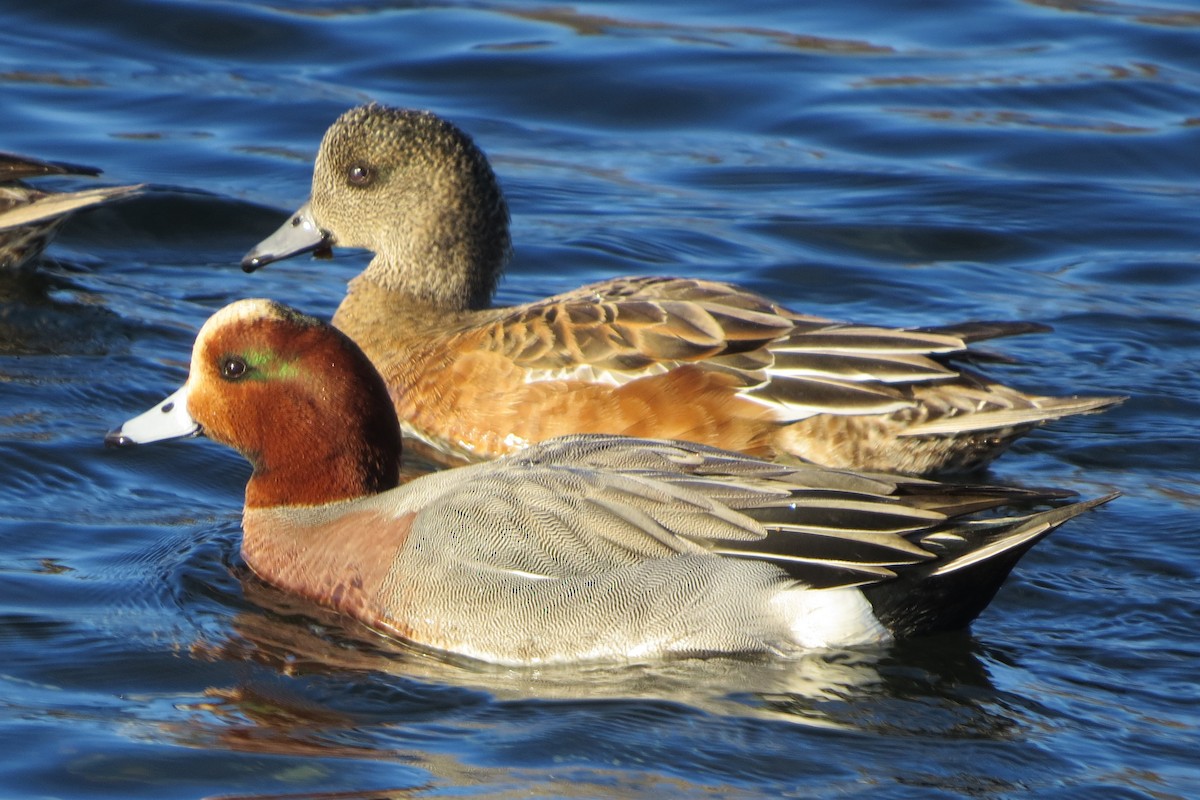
x=583, y=548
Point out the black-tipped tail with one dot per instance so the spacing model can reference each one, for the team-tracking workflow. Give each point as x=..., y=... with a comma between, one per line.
x=949, y=592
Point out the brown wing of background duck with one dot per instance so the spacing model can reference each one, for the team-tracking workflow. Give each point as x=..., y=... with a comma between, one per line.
x=29, y=216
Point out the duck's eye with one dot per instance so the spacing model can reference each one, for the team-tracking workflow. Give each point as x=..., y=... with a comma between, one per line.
x=360, y=174
x=234, y=368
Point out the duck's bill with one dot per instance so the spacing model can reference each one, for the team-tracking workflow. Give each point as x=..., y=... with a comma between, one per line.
x=167, y=420
x=300, y=234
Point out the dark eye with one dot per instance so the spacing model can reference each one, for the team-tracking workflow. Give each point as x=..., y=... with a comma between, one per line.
x=360, y=174
x=233, y=368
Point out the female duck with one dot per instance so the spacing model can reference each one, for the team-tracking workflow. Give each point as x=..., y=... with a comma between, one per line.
x=30, y=217
x=660, y=357
x=582, y=548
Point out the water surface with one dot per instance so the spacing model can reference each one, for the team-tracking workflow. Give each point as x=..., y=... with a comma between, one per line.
x=994, y=160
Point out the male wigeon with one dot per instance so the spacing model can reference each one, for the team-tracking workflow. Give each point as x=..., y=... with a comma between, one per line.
x=586, y=547
x=29, y=217
x=643, y=356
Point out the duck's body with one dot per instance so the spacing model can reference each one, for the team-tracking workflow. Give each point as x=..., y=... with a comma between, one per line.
x=550, y=561
x=29, y=217
x=664, y=357
x=580, y=548
x=695, y=360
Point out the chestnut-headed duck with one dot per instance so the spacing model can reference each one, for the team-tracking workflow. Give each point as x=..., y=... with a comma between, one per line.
x=29, y=217
x=642, y=356
x=587, y=547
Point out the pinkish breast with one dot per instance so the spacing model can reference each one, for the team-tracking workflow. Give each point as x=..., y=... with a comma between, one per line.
x=340, y=563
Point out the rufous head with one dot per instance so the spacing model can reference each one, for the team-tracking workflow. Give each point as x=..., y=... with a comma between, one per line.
x=293, y=395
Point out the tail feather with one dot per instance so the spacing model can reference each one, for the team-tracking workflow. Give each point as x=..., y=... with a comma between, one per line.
x=951, y=591
x=56, y=205
x=1047, y=409
x=982, y=330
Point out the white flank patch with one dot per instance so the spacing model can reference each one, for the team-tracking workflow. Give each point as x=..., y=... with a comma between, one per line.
x=794, y=412
x=514, y=442
x=589, y=373
x=829, y=617
x=461, y=447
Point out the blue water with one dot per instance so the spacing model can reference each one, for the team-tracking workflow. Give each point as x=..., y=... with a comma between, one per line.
x=898, y=163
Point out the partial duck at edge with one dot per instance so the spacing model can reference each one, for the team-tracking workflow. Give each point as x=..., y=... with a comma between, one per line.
x=31, y=216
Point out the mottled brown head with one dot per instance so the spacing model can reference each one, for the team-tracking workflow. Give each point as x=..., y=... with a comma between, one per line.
x=299, y=400
x=415, y=190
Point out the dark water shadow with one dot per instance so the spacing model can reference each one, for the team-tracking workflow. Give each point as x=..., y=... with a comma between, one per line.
x=46, y=314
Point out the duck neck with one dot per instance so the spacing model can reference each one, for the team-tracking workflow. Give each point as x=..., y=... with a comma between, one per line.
x=376, y=316
x=321, y=474
x=450, y=275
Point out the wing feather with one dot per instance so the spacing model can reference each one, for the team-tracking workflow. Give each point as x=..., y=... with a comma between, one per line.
x=56, y=205
x=581, y=506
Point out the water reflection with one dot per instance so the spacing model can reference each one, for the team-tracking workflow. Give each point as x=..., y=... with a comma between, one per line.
x=1145, y=14
x=48, y=314
x=297, y=639
x=717, y=35
x=967, y=172
x=1020, y=119
x=584, y=24
x=937, y=685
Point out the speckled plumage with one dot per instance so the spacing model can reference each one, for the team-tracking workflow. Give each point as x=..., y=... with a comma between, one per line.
x=644, y=356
